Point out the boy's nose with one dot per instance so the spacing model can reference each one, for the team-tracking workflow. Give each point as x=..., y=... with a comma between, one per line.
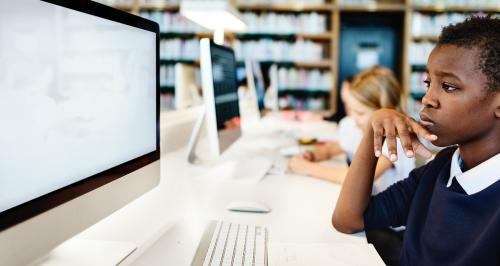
x=430, y=100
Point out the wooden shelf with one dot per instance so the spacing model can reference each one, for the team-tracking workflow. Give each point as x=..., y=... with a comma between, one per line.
x=288, y=36
x=425, y=38
x=299, y=7
x=325, y=64
x=231, y=35
x=184, y=35
x=316, y=36
x=418, y=67
x=333, y=11
x=250, y=7
x=167, y=89
x=125, y=7
x=373, y=7
x=159, y=7
x=319, y=64
x=304, y=91
x=175, y=61
x=444, y=8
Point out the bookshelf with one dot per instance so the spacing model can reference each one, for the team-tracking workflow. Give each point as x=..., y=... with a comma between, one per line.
x=372, y=7
x=419, y=36
x=297, y=6
x=426, y=21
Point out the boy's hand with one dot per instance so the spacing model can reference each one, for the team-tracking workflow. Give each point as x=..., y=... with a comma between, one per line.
x=389, y=124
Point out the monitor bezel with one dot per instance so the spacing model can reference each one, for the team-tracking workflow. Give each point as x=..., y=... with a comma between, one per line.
x=39, y=205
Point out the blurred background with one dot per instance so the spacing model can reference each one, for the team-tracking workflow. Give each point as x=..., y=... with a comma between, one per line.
x=305, y=48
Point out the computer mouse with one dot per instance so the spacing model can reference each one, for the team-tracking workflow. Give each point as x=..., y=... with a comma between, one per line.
x=248, y=206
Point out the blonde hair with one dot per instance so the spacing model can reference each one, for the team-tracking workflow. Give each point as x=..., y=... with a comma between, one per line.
x=377, y=88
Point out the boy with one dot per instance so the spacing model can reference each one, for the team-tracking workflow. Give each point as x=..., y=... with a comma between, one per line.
x=451, y=206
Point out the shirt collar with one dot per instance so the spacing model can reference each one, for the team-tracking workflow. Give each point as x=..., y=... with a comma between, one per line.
x=477, y=178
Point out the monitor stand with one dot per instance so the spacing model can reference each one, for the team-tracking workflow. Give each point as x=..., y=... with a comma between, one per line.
x=192, y=158
x=88, y=252
x=249, y=170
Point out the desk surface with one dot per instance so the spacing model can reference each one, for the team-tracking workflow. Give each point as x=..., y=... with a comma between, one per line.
x=301, y=206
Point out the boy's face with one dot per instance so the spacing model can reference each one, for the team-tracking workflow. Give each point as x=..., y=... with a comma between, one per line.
x=457, y=107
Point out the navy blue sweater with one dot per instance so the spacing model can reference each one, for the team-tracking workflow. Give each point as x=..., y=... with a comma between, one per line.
x=444, y=226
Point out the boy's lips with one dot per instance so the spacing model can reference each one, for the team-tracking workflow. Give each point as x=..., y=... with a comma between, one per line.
x=426, y=121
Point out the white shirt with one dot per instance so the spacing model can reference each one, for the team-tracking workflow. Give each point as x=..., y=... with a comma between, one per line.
x=349, y=138
x=477, y=178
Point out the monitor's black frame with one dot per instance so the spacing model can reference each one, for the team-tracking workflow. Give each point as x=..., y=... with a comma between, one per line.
x=32, y=208
x=226, y=49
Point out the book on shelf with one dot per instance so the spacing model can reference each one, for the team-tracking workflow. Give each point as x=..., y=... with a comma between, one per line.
x=419, y=52
x=167, y=75
x=417, y=85
x=276, y=50
x=431, y=25
x=302, y=47
x=300, y=79
x=457, y=3
x=302, y=103
x=176, y=48
x=285, y=23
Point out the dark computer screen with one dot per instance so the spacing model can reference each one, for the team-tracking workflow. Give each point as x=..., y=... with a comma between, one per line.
x=225, y=87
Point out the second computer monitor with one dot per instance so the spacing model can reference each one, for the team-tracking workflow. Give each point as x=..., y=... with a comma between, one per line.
x=220, y=95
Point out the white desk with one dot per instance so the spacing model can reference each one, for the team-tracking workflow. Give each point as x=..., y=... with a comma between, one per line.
x=301, y=206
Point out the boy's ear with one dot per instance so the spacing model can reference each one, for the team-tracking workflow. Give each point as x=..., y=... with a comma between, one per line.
x=497, y=105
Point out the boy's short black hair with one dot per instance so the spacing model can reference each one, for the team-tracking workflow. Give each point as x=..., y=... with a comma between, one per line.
x=483, y=34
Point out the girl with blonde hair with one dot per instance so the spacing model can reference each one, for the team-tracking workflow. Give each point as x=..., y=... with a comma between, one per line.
x=370, y=90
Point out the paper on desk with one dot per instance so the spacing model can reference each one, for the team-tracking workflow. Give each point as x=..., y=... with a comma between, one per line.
x=317, y=254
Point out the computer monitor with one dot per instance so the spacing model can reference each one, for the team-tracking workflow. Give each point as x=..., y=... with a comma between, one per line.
x=79, y=119
x=271, y=97
x=220, y=97
x=255, y=81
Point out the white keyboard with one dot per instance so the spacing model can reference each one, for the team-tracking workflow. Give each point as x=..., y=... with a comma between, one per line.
x=225, y=243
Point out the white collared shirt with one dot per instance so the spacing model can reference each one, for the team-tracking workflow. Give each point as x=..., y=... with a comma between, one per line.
x=477, y=178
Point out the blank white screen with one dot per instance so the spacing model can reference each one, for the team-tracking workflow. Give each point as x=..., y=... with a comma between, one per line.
x=77, y=97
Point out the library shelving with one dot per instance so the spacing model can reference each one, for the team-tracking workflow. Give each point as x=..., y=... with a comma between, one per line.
x=372, y=7
x=292, y=6
x=176, y=31
x=427, y=18
x=320, y=27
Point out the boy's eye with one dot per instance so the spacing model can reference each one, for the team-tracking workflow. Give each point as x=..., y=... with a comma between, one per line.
x=448, y=87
